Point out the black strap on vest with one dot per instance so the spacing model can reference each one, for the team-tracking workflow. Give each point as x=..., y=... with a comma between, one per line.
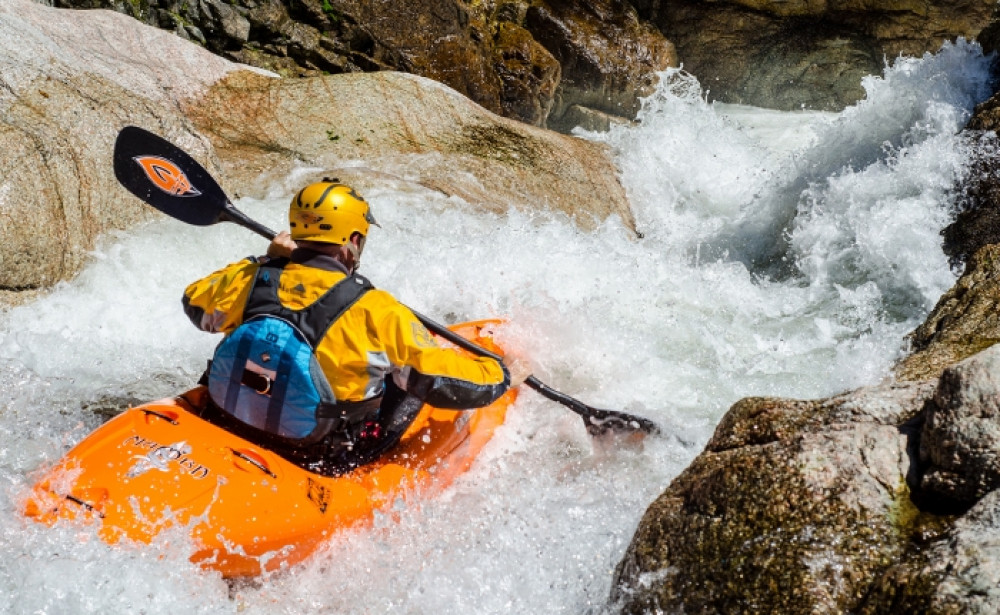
x=313, y=321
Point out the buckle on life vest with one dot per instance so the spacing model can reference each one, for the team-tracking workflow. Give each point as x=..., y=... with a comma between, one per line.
x=260, y=383
x=371, y=431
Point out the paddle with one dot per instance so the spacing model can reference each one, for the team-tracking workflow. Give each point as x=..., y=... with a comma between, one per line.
x=166, y=177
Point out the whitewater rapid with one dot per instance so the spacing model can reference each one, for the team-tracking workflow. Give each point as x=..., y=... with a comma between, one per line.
x=781, y=254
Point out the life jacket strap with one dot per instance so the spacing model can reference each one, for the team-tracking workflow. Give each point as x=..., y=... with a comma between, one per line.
x=260, y=383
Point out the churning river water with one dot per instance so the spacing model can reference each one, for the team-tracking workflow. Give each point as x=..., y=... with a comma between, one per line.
x=782, y=253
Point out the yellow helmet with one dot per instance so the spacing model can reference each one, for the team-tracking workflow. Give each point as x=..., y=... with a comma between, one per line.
x=330, y=212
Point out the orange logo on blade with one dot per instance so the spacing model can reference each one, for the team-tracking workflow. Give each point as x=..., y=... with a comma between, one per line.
x=166, y=176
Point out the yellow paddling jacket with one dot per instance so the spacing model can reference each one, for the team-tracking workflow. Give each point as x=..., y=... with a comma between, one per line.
x=375, y=337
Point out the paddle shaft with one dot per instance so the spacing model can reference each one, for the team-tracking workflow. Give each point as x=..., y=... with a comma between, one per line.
x=531, y=381
x=231, y=214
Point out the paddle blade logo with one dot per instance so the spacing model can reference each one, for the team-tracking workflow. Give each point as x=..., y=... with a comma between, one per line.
x=166, y=176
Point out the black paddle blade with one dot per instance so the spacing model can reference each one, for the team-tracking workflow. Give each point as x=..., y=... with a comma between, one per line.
x=163, y=175
x=602, y=422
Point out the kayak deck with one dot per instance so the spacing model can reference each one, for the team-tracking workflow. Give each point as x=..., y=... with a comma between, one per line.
x=160, y=465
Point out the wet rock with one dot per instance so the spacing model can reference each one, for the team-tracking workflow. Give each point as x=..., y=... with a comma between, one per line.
x=964, y=322
x=609, y=57
x=529, y=75
x=977, y=222
x=960, y=440
x=788, y=55
x=793, y=507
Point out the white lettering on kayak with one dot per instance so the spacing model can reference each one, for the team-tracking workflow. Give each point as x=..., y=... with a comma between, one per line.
x=160, y=457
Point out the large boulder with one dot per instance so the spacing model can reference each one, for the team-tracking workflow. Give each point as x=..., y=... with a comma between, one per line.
x=71, y=79
x=882, y=500
x=396, y=125
x=67, y=83
x=793, y=507
x=801, y=53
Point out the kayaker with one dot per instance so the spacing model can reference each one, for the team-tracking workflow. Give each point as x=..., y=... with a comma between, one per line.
x=317, y=365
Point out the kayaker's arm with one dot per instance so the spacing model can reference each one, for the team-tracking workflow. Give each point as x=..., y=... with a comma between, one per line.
x=215, y=302
x=442, y=377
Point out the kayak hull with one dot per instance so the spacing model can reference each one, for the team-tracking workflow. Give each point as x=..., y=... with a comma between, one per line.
x=160, y=466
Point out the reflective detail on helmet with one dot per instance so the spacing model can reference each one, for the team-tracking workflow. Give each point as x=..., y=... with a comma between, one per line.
x=329, y=212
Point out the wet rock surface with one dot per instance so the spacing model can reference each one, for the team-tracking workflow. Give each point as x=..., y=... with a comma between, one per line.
x=978, y=220
x=793, y=507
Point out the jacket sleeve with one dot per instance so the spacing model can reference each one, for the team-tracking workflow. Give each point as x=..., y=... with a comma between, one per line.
x=441, y=377
x=215, y=303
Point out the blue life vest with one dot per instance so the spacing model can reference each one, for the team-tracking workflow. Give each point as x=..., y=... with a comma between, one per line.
x=265, y=373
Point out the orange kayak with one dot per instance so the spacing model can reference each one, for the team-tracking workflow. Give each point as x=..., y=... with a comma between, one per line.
x=160, y=465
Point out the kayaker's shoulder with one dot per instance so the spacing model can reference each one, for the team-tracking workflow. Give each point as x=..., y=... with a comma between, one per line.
x=377, y=296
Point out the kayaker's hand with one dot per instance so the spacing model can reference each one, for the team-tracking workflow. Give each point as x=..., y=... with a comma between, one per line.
x=519, y=369
x=281, y=246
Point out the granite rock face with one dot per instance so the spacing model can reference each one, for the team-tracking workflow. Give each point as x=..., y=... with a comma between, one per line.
x=384, y=127
x=793, y=507
x=66, y=86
